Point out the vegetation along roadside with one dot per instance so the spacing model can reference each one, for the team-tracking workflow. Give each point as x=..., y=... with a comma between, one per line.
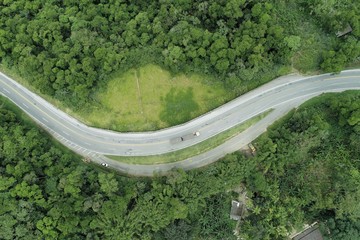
x=71, y=51
x=193, y=150
x=306, y=169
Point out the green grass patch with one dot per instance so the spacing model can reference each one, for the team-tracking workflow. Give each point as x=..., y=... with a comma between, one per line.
x=193, y=150
x=145, y=99
x=150, y=98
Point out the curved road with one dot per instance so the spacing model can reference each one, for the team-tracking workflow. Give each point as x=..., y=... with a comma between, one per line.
x=281, y=94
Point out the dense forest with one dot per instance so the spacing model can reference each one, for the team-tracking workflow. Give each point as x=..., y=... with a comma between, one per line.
x=67, y=49
x=335, y=16
x=306, y=168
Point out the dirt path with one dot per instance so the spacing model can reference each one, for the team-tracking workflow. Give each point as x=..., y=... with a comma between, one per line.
x=139, y=92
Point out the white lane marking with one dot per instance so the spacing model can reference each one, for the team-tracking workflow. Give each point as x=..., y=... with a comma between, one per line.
x=66, y=133
x=45, y=120
x=25, y=105
x=6, y=90
x=87, y=143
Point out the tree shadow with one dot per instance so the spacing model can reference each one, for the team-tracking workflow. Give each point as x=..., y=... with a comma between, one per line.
x=178, y=106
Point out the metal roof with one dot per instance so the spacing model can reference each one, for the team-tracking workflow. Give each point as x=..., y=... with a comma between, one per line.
x=312, y=233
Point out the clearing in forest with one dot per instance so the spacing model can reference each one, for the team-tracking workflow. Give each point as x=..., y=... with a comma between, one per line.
x=150, y=98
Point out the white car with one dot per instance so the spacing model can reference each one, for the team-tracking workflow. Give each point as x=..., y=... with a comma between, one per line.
x=104, y=164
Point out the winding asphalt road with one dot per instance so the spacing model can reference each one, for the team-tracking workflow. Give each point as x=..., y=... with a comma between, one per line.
x=281, y=95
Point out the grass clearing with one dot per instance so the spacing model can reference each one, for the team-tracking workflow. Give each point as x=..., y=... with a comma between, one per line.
x=193, y=150
x=150, y=98
x=140, y=99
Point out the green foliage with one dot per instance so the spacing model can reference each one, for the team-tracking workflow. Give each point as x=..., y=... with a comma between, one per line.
x=336, y=229
x=214, y=221
x=67, y=49
x=108, y=183
x=348, y=110
x=47, y=193
x=307, y=169
x=293, y=42
x=180, y=230
x=335, y=17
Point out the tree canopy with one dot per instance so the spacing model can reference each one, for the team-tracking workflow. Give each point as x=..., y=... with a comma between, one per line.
x=68, y=49
x=306, y=169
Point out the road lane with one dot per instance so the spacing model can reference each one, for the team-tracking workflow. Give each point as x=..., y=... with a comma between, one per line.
x=288, y=91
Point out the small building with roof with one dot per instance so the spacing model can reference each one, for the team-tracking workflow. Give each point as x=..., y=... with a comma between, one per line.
x=345, y=31
x=237, y=210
